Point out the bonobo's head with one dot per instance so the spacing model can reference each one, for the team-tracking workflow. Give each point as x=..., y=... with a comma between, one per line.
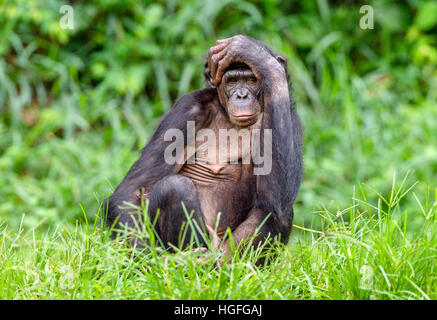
x=239, y=93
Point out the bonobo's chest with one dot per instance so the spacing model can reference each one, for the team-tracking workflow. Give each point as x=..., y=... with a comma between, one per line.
x=217, y=159
x=206, y=174
x=222, y=153
x=222, y=189
x=221, y=168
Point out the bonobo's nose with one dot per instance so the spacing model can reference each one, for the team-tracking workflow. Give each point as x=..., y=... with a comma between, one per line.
x=242, y=94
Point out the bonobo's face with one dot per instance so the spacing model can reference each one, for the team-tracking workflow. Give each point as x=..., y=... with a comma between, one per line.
x=239, y=93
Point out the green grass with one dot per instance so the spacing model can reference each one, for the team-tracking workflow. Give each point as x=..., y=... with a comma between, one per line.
x=374, y=256
x=76, y=107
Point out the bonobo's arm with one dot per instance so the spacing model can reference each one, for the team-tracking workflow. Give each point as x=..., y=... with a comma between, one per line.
x=151, y=166
x=277, y=190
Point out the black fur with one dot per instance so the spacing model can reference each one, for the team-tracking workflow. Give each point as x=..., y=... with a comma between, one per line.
x=275, y=192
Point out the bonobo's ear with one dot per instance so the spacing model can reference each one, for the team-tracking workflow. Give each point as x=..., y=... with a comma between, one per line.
x=207, y=75
x=283, y=61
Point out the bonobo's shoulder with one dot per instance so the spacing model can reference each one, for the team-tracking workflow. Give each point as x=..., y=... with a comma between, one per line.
x=197, y=99
x=194, y=106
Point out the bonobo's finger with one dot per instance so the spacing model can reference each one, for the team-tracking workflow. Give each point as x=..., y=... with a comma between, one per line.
x=200, y=260
x=221, y=68
x=217, y=48
x=213, y=51
x=221, y=41
x=201, y=249
x=215, y=59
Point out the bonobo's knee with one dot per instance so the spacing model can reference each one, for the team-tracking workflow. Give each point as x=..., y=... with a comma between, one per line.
x=167, y=195
x=174, y=188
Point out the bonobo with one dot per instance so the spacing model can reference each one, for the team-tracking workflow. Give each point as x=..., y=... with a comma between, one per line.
x=250, y=183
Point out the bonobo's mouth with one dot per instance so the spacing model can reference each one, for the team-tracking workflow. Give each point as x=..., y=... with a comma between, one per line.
x=244, y=119
x=244, y=116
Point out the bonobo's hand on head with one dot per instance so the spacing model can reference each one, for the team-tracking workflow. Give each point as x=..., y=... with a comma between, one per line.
x=246, y=50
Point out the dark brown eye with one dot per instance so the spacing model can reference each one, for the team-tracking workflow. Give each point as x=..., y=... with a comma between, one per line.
x=251, y=79
x=232, y=79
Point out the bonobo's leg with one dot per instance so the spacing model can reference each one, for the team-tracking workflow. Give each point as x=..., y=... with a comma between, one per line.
x=257, y=225
x=167, y=195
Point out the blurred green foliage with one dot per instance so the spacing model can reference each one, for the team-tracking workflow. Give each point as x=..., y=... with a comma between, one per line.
x=77, y=105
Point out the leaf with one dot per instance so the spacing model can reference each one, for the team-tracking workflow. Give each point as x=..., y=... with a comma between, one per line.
x=427, y=15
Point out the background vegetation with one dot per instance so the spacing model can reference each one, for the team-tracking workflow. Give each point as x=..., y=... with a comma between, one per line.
x=77, y=105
